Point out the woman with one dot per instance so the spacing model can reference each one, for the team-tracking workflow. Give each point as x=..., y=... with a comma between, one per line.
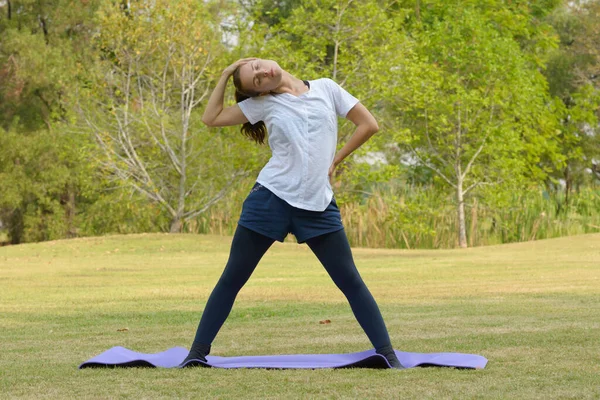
x=292, y=193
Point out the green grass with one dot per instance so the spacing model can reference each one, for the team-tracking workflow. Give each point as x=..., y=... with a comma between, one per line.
x=533, y=309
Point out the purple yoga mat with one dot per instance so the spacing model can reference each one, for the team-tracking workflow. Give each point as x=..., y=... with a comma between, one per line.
x=171, y=358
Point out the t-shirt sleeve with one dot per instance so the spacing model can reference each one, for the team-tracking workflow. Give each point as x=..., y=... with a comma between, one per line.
x=343, y=101
x=253, y=108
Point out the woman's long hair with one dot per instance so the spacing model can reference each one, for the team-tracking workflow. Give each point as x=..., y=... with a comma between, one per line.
x=258, y=131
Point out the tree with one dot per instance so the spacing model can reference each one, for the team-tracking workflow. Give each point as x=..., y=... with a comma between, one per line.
x=158, y=70
x=43, y=53
x=480, y=117
x=43, y=57
x=572, y=76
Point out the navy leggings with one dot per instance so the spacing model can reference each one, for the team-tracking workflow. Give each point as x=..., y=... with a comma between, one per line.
x=332, y=249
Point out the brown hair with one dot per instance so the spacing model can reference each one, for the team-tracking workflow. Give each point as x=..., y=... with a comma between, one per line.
x=257, y=131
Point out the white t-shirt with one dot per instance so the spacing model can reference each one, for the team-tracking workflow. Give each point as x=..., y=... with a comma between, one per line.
x=303, y=137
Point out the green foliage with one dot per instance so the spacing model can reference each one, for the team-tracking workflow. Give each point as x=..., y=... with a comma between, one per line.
x=44, y=52
x=502, y=91
x=416, y=217
x=571, y=72
x=477, y=94
x=120, y=211
x=41, y=173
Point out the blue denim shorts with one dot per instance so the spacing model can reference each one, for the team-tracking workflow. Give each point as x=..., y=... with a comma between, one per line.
x=267, y=214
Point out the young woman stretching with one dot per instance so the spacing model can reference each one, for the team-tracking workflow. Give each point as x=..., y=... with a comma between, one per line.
x=292, y=193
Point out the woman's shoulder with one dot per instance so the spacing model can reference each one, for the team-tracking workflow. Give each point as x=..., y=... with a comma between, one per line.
x=256, y=102
x=256, y=99
x=323, y=81
x=326, y=84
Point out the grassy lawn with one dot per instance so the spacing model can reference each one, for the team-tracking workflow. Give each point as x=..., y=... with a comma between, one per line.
x=533, y=309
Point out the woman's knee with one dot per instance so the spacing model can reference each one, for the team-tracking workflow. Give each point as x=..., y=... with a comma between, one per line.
x=231, y=282
x=351, y=284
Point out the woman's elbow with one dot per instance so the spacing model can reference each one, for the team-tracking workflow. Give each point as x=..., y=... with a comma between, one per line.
x=374, y=127
x=207, y=122
x=370, y=127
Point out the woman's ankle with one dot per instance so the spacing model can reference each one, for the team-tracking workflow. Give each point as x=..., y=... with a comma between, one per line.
x=198, y=351
x=390, y=355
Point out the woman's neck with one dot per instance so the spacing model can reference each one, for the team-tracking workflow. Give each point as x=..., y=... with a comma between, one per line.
x=290, y=84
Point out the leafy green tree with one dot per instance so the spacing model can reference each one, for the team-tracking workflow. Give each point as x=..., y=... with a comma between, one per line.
x=480, y=117
x=572, y=73
x=522, y=20
x=43, y=176
x=43, y=57
x=268, y=12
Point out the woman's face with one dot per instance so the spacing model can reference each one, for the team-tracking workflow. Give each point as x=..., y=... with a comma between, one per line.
x=260, y=76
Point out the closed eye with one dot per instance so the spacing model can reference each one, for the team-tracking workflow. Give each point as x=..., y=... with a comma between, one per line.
x=257, y=78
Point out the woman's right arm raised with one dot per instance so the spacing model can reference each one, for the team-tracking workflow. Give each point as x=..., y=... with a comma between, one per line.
x=215, y=114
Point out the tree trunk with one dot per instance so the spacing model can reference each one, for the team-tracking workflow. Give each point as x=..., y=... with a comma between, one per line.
x=44, y=26
x=418, y=10
x=72, y=230
x=67, y=200
x=176, y=225
x=568, y=184
x=473, y=230
x=16, y=226
x=462, y=231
